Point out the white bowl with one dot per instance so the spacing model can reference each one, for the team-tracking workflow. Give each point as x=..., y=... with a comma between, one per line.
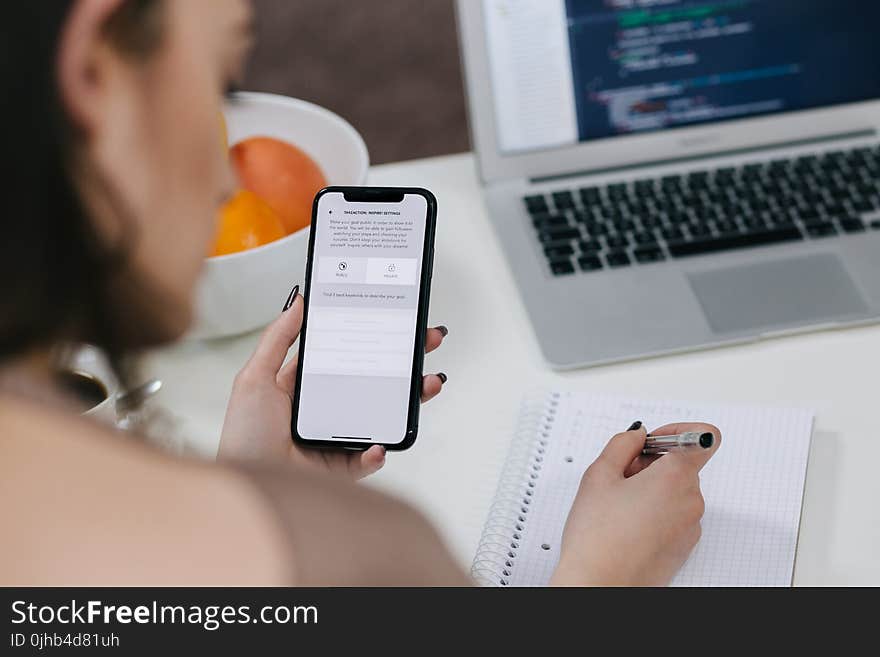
x=243, y=291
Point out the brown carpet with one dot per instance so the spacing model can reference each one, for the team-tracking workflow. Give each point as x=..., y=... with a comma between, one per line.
x=390, y=67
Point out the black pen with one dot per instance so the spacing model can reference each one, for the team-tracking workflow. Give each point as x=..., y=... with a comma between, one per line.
x=655, y=445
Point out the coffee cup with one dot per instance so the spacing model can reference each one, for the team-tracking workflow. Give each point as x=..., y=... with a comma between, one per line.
x=88, y=377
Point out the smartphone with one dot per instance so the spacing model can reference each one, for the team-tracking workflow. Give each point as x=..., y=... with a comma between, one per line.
x=362, y=345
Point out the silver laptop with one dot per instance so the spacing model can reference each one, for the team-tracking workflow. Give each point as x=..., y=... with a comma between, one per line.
x=666, y=175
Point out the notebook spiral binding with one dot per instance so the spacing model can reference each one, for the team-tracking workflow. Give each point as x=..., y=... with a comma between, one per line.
x=508, y=517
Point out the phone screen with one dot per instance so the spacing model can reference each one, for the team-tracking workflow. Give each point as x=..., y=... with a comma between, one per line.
x=363, y=304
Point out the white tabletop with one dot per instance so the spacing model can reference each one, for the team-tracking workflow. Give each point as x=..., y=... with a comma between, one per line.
x=492, y=358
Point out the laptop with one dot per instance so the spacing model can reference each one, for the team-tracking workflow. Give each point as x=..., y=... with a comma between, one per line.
x=668, y=175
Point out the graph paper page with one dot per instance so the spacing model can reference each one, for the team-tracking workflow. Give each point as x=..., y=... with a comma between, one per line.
x=753, y=486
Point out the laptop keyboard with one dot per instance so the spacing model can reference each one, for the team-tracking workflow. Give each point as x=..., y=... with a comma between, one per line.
x=655, y=219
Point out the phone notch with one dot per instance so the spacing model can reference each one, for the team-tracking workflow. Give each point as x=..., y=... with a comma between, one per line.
x=373, y=195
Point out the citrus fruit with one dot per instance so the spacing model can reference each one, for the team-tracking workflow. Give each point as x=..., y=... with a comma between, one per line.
x=282, y=175
x=246, y=222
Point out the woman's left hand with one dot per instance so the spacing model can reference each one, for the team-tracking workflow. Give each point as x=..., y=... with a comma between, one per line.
x=258, y=417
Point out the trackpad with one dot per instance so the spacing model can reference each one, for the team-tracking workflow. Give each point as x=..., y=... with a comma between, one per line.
x=777, y=293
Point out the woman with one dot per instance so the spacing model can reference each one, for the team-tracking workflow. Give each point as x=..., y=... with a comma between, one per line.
x=114, y=174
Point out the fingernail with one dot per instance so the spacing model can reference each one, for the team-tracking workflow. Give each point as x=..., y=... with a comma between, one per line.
x=635, y=425
x=443, y=330
x=384, y=451
x=290, y=299
x=443, y=378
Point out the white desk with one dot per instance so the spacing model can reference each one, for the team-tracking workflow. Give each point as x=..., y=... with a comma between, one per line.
x=491, y=357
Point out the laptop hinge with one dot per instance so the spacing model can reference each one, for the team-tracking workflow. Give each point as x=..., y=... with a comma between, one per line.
x=857, y=134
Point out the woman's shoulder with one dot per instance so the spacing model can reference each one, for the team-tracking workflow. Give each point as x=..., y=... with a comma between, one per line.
x=82, y=504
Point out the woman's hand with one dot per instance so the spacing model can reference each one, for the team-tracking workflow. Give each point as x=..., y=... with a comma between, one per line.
x=635, y=519
x=257, y=424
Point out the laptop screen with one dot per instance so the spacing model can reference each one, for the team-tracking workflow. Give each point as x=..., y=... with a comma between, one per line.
x=569, y=71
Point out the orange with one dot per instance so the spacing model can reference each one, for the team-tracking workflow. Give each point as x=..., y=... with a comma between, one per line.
x=282, y=175
x=246, y=222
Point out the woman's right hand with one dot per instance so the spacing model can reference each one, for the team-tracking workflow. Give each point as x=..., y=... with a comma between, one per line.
x=634, y=521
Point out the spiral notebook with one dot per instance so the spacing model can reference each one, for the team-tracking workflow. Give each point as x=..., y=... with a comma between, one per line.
x=753, y=488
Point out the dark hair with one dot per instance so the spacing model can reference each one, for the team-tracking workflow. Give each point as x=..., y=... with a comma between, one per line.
x=55, y=273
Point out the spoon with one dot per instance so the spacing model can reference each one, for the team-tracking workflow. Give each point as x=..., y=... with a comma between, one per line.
x=138, y=395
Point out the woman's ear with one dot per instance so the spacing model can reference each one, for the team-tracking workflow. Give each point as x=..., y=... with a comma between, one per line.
x=86, y=62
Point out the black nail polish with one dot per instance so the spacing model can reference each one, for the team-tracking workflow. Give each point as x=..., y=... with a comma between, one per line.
x=635, y=425
x=443, y=330
x=443, y=378
x=290, y=299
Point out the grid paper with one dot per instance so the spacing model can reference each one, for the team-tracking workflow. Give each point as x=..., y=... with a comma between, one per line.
x=753, y=487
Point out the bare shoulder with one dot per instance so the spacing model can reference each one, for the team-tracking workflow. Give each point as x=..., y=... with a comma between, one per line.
x=83, y=505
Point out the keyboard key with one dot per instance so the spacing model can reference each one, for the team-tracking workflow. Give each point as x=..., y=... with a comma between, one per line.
x=542, y=221
x=726, y=226
x=829, y=164
x=712, y=198
x=597, y=228
x=672, y=233
x=536, y=204
x=617, y=191
x=683, y=248
x=753, y=221
x=563, y=200
x=679, y=217
x=617, y=215
x=783, y=223
x=645, y=254
x=590, y=262
x=553, y=234
x=808, y=215
x=852, y=225
x=859, y=155
x=834, y=209
x=624, y=225
x=644, y=188
x=665, y=205
x=838, y=191
x=806, y=162
x=641, y=210
x=645, y=238
x=866, y=190
x=589, y=246
x=557, y=250
x=561, y=267
x=752, y=171
x=820, y=228
x=618, y=259
x=813, y=198
x=616, y=241
x=590, y=196
x=706, y=214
